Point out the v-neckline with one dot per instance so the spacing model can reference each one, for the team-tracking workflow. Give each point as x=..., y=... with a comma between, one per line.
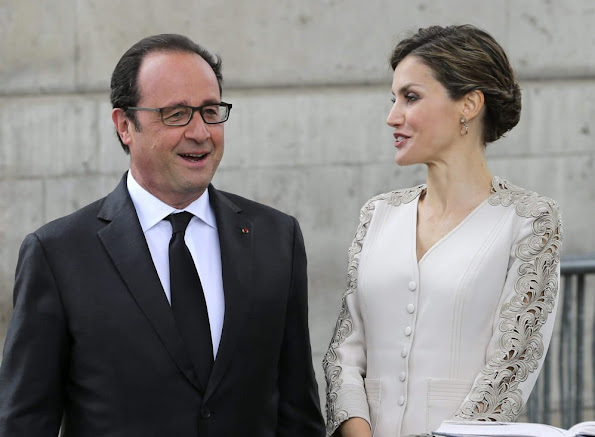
x=445, y=236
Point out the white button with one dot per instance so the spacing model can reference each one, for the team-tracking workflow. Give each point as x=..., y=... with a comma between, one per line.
x=408, y=330
x=412, y=286
x=403, y=376
x=401, y=400
x=404, y=352
x=410, y=308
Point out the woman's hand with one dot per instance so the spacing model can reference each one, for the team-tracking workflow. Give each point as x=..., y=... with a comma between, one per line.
x=355, y=427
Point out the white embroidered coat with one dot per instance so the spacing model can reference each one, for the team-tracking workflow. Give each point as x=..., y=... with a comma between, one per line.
x=463, y=333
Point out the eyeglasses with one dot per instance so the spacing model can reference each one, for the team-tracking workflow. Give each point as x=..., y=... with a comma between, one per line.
x=181, y=115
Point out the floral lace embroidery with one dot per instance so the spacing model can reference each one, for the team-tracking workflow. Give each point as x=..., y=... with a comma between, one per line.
x=344, y=325
x=495, y=395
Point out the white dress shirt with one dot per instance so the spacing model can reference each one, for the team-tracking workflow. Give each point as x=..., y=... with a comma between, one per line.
x=201, y=238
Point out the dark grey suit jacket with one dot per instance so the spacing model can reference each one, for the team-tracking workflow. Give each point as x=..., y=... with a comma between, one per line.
x=93, y=346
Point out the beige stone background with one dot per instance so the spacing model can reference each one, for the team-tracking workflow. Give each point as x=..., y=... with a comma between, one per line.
x=310, y=86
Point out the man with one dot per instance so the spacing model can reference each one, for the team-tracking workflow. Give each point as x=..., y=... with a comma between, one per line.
x=123, y=327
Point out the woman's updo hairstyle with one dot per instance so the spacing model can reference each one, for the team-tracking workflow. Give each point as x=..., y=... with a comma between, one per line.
x=465, y=58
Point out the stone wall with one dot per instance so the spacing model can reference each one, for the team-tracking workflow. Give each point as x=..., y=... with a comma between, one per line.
x=311, y=89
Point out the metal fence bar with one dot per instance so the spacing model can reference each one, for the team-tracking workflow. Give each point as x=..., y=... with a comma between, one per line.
x=577, y=265
x=569, y=347
x=565, y=353
x=546, y=406
x=533, y=407
x=580, y=345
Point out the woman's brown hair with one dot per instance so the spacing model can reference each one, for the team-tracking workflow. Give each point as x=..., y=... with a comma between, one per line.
x=465, y=58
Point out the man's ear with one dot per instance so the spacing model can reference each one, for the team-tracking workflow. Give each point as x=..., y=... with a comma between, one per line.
x=473, y=103
x=123, y=125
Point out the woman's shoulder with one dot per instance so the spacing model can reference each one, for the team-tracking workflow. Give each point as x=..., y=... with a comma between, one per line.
x=526, y=203
x=395, y=197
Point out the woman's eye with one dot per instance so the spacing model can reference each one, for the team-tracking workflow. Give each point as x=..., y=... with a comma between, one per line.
x=411, y=97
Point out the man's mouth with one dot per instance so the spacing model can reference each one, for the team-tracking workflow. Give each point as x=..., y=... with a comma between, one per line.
x=195, y=157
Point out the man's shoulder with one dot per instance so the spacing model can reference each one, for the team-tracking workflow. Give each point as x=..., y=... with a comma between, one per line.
x=88, y=219
x=254, y=208
x=78, y=221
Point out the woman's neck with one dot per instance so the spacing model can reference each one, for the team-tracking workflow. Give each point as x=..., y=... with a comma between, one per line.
x=461, y=182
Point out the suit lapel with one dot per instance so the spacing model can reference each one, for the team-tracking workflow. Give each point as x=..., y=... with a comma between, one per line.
x=125, y=243
x=235, y=240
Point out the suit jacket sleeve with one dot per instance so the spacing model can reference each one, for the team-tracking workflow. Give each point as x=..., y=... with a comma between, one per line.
x=524, y=321
x=35, y=352
x=299, y=405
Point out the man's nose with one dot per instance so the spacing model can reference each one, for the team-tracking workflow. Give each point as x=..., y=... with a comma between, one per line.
x=197, y=129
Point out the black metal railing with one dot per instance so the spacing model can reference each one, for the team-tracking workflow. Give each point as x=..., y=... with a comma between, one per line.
x=561, y=391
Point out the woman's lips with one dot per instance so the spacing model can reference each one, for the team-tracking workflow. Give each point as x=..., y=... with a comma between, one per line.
x=400, y=140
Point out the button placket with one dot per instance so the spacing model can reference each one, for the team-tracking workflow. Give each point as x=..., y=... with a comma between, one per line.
x=407, y=331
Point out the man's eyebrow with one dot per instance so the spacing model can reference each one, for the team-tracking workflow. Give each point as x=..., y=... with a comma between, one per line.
x=186, y=103
x=211, y=102
x=178, y=103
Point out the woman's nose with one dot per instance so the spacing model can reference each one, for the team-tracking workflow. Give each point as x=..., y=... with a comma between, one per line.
x=395, y=116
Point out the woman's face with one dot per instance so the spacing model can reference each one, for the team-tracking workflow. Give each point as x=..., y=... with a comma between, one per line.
x=426, y=121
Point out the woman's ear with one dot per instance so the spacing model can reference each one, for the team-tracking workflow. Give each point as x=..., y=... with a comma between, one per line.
x=473, y=103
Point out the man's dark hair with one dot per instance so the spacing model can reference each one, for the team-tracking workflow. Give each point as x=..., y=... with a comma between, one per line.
x=124, y=83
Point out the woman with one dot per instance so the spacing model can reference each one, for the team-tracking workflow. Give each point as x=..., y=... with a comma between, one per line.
x=453, y=284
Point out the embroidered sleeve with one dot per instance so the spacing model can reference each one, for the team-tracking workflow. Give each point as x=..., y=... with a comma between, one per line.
x=345, y=361
x=524, y=322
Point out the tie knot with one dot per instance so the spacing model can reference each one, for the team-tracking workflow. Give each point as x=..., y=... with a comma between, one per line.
x=179, y=221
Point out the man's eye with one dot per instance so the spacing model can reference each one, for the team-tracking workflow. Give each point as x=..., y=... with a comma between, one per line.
x=175, y=113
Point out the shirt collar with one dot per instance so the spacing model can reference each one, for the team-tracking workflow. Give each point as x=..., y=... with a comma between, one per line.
x=151, y=210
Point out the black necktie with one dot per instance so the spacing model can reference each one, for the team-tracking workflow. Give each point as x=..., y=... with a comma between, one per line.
x=188, y=300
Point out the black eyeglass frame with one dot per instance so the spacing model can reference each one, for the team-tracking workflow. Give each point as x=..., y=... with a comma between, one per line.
x=192, y=108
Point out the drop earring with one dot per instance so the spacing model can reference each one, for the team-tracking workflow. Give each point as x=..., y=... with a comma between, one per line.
x=464, y=126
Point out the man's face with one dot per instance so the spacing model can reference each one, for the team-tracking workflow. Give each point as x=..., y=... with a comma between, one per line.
x=174, y=163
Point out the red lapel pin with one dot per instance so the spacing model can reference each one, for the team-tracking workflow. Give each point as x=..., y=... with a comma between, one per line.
x=245, y=231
